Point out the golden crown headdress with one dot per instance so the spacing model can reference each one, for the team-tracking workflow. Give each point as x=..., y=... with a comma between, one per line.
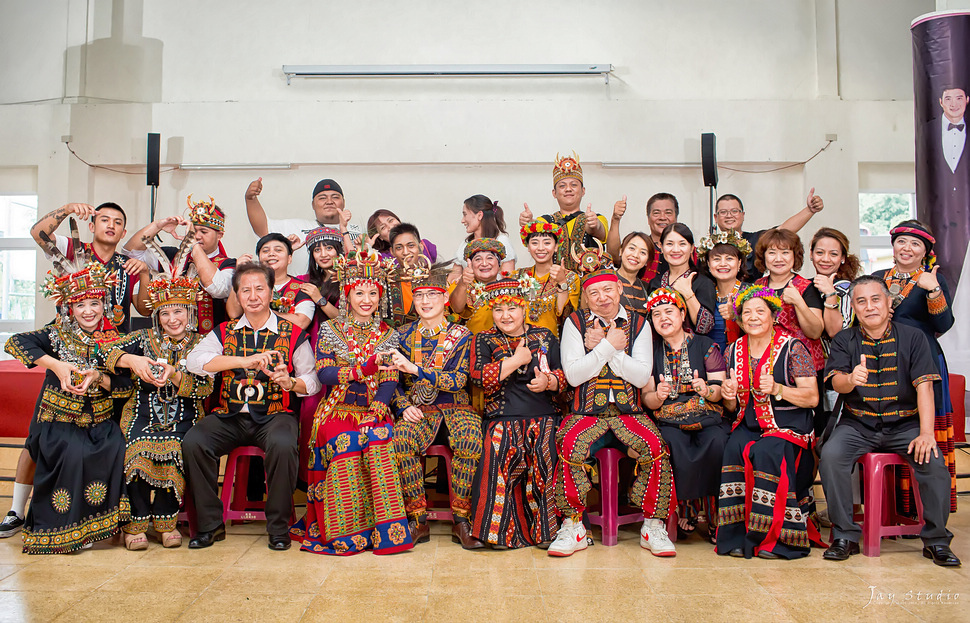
x=566, y=166
x=362, y=265
x=422, y=274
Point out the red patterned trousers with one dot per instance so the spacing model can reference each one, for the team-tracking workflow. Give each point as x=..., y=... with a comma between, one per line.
x=652, y=489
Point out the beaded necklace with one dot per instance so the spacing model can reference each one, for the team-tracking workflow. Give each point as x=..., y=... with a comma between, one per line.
x=893, y=280
x=678, y=368
x=732, y=295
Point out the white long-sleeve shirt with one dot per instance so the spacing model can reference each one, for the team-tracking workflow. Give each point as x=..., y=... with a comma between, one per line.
x=210, y=347
x=580, y=366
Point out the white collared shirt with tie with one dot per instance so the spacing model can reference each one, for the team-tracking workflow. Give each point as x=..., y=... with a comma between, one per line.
x=580, y=366
x=954, y=138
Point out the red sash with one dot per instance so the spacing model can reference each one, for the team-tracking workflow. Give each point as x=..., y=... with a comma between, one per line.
x=747, y=387
x=205, y=307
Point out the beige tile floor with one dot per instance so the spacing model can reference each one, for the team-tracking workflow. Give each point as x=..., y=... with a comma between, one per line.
x=241, y=580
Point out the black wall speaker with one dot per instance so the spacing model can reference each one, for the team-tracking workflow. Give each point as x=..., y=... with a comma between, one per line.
x=709, y=159
x=154, y=145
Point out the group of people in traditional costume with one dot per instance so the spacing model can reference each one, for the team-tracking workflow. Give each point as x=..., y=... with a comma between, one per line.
x=713, y=365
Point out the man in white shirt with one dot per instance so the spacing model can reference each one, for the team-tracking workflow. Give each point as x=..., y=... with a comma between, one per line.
x=607, y=356
x=953, y=101
x=263, y=359
x=328, y=209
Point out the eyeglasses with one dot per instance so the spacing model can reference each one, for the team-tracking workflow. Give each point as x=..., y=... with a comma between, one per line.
x=734, y=212
x=430, y=296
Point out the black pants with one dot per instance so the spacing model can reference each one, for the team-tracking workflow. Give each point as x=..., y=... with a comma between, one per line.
x=844, y=448
x=162, y=511
x=214, y=437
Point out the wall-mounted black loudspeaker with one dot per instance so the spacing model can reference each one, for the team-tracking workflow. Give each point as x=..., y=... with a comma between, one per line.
x=154, y=145
x=709, y=159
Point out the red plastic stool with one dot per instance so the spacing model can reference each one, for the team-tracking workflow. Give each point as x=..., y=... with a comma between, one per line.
x=608, y=518
x=880, y=518
x=235, y=506
x=187, y=512
x=444, y=455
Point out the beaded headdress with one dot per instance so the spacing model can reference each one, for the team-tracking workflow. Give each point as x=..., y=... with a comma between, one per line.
x=519, y=289
x=362, y=266
x=730, y=237
x=665, y=296
x=325, y=234
x=567, y=166
x=484, y=244
x=74, y=280
x=594, y=265
x=757, y=292
x=206, y=214
x=540, y=227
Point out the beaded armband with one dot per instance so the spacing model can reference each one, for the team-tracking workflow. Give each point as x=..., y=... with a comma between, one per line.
x=936, y=305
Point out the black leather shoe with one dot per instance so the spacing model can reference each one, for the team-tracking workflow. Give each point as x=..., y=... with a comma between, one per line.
x=737, y=552
x=766, y=555
x=841, y=549
x=942, y=555
x=206, y=539
x=279, y=542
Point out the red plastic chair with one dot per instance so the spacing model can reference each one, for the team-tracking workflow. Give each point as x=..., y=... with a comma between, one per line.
x=608, y=518
x=880, y=518
x=444, y=455
x=235, y=506
x=958, y=396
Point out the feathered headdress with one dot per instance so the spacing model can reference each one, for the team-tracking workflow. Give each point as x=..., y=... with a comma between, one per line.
x=172, y=286
x=73, y=280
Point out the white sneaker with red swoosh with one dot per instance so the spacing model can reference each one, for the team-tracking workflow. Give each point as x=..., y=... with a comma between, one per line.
x=570, y=538
x=653, y=536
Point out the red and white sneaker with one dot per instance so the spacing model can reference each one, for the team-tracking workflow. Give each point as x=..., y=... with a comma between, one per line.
x=570, y=538
x=653, y=536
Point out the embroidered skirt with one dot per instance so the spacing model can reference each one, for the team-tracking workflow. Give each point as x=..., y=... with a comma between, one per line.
x=765, y=501
x=514, y=493
x=696, y=457
x=78, y=486
x=354, y=500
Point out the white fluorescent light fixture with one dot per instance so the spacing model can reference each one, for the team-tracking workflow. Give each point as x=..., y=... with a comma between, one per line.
x=236, y=167
x=651, y=165
x=444, y=71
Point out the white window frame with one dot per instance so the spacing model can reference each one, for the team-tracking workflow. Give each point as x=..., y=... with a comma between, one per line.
x=884, y=241
x=18, y=244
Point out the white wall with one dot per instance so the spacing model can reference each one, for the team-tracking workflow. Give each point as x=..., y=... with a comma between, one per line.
x=770, y=78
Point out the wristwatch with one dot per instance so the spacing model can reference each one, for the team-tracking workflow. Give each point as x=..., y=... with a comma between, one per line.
x=781, y=388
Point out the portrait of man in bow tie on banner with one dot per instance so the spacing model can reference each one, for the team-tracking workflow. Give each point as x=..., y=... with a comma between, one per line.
x=941, y=84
